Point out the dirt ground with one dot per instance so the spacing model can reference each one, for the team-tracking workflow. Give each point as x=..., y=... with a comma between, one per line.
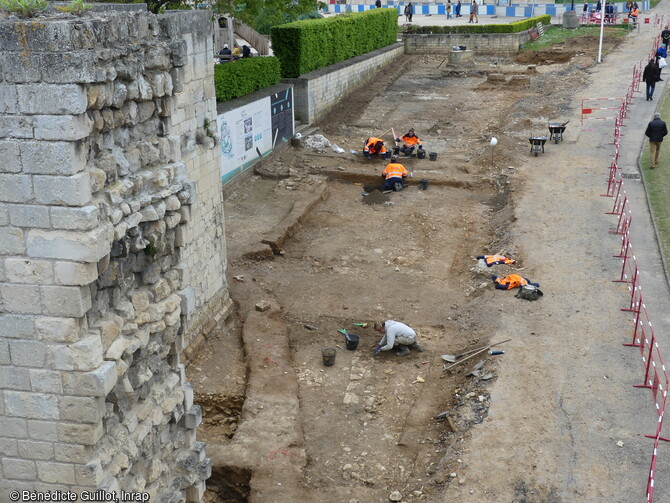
x=369, y=426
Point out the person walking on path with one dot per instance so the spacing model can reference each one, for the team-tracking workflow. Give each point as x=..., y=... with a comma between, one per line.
x=475, y=10
x=651, y=75
x=457, y=10
x=448, y=9
x=656, y=130
x=378, y=4
x=408, y=12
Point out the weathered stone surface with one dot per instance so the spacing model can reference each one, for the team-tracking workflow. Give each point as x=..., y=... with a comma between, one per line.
x=85, y=246
x=51, y=99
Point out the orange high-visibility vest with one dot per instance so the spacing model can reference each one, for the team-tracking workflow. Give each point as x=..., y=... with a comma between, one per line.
x=370, y=146
x=394, y=170
x=512, y=281
x=411, y=140
x=498, y=259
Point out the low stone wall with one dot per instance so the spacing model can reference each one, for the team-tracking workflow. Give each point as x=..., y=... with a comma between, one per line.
x=317, y=92
x=112, y=250
x=486, y=43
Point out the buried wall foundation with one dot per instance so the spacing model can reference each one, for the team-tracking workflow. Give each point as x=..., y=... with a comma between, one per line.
x=112, y=251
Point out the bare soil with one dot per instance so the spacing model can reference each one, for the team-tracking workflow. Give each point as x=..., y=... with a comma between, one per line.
x=368, y=426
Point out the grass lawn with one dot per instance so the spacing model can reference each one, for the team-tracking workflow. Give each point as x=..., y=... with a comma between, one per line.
x=657, y=181
x=557, y=34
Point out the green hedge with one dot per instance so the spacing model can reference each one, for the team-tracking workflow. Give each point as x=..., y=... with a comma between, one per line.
x=514, y=27
x=305, y=46
x=244, y=76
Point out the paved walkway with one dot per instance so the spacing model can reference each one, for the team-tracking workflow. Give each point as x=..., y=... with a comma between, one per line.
x=571, y=427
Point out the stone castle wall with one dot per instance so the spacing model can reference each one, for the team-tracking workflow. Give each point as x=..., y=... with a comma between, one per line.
x=112, y=251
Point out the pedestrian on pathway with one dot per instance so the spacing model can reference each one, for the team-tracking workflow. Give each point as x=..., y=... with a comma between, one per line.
x=378, y=4
x=458, y=9
x=448, y=9
x=473, y=13
x=408, y=12
x=665, y=37
x=398, y=335
x=651, y=75
x=656, y=130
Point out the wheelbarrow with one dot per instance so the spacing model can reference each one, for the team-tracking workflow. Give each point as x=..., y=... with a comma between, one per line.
x=537, y=144
x=556, y=130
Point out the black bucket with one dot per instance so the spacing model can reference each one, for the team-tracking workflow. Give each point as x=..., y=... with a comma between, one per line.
x=433, y=156
x=328, y=355
x=421, y=153
x=423, y=184
x=396, y=150
x=352, y=341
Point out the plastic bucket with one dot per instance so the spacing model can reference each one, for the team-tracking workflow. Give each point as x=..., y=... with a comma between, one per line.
x=328, y=355
x=352, y=341
x=421, y=153
x=433, y=156
x=423, y=184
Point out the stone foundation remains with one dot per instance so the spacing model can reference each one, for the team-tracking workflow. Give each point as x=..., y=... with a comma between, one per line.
x=112, y=251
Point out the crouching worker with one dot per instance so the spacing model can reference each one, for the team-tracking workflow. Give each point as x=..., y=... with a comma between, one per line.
x=511, y=281
x=411, y=141
x=374, y=146
x=396, y=335
x=394, y=174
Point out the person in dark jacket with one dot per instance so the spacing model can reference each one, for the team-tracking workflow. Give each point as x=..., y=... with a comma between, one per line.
x=378, y=4
x=651, y=75
x=665, y=37
x=246, y=51
x=656, y=130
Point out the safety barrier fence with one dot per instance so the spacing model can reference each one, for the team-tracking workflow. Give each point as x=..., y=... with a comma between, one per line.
x=643, y=337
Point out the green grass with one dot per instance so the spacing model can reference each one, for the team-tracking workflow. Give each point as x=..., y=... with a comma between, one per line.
x=24, y=8
x=657, y=181
x=557, y=34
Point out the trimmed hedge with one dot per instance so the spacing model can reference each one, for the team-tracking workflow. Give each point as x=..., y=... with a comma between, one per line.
x=305, y=46
x=514, y=27
x=244, y=76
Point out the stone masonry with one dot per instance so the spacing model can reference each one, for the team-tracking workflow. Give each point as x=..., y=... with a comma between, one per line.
x=112, y=251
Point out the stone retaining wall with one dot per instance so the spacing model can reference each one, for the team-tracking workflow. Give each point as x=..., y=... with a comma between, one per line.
x=317, y=92
x=112, y=251
x=486, y=43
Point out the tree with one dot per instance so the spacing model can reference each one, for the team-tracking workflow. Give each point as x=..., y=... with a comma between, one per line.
x=263, y=14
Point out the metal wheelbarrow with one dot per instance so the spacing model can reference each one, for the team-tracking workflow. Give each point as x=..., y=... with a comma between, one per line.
x=556, y=130
x=537, y=144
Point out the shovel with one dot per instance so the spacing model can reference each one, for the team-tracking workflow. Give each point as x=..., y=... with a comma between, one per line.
x=454, y=358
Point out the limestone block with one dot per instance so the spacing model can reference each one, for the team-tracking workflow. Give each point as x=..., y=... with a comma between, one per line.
x=5, y=359
x=120, y=94
x=20, y=299
x=149, y=214
x=20, y=270
x=195, y=493
x=53, y=158
x=172, y=220
x=15, y=379
x=81, y=219
x=8, y=99
x=74, y=190
x=62, y=127
x=32, y=449
x=27, y=353
x=16, y=126
x=141, y=300
x=193, y=417
x=51, y=471
x=97, y=382
x=25, y=215
x=70, y=453
x=12, y=241
x=57, y=329
x=52, y=99
x=15, y=468
x=81, y=409
x=75, y=273
x=15, y=188
x=85, y=354
x=86, y=434
x=88, y=246
x=173, y=318
x=144, y=89
x=68, y=301
x=31, y=405
x=204, y=469
x=13, y=427
x=46, y=381
x=8, y=447
x=90, y=474
x=119, y=346
x=110, y=329
x=42, y=430
x=9, y=153
x=66, y=67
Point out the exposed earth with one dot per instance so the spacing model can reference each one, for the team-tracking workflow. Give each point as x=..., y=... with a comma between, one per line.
x=304, y=238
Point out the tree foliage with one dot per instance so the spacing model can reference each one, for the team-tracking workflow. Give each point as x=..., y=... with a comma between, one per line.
x=264, y=14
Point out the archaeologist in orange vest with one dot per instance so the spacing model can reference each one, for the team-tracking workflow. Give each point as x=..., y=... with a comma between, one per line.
x=374, y=146
x=394, y=174
x=496, y=260
x=411, y=141
x=511, y=281
x=396, y=335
